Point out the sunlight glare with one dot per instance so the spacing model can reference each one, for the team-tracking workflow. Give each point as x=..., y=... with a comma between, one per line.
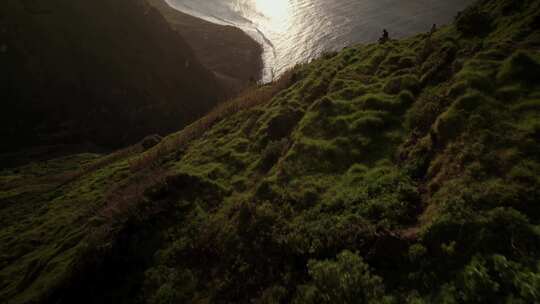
x=276, y=12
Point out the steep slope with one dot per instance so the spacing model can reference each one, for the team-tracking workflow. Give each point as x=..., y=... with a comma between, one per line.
x=404, y=172
x=106, y=72
x=225, y=50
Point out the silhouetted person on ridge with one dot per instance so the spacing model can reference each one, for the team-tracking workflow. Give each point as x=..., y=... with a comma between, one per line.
x=385, y=37
x=433, y=29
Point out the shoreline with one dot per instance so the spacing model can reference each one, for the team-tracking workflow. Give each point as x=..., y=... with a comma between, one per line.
x=239, y=61
x=299, y=32
x=267, y=74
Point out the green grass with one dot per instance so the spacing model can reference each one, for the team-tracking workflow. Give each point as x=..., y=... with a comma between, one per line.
x=409, y=169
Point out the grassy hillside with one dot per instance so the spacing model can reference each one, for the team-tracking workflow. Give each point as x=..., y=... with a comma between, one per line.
x=404, y=172
x=105, y=72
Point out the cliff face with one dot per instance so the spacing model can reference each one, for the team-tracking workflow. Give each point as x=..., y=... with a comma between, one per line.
x=230, y=53
x=403, y=172
x=105, y=72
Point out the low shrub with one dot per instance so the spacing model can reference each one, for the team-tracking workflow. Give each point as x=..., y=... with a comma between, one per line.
x=271, y=154
x=380, y=102
x=367, y=124
x=473, y=22
x=384, y=196
x=397, y=84
x=348, y=279
x=520, y=67
x=449, y=125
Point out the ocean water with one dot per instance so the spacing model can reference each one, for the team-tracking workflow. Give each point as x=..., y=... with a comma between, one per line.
x=295, y=31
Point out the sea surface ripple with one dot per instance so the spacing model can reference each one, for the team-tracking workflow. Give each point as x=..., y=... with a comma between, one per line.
x=296, y=31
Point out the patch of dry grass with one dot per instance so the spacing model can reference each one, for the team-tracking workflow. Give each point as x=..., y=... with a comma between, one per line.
x=250, y=98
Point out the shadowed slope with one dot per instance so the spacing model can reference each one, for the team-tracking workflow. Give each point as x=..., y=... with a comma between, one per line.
x=106, y=72
x=405, y=172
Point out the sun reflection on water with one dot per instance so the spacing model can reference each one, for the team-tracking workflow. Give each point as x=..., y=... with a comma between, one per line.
x=277, y=14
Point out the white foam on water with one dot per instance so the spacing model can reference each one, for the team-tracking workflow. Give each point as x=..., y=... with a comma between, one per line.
x=296, y=31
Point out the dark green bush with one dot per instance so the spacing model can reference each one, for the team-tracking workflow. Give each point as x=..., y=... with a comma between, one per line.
x=494, y=279
x=367, y=124
x=520, y=67
x=470, y=101
x=273, y=151
x=347, y=280
x=165, y=285
x=398, y=84
x=449, y=125
x=473, y=22
x=384, y=196
x=421, y=116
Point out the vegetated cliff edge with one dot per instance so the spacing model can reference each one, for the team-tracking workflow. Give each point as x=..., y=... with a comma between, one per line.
x=231, y=54
x=104, y=72
x=406, y=172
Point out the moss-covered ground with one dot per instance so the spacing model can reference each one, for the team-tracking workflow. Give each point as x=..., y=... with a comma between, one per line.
x=403, y=172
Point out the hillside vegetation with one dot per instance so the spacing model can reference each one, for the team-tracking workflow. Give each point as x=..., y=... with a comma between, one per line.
x=403, y=172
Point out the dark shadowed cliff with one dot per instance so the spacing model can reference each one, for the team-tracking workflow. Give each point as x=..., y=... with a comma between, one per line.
x=227, y=51
x=100, y=72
